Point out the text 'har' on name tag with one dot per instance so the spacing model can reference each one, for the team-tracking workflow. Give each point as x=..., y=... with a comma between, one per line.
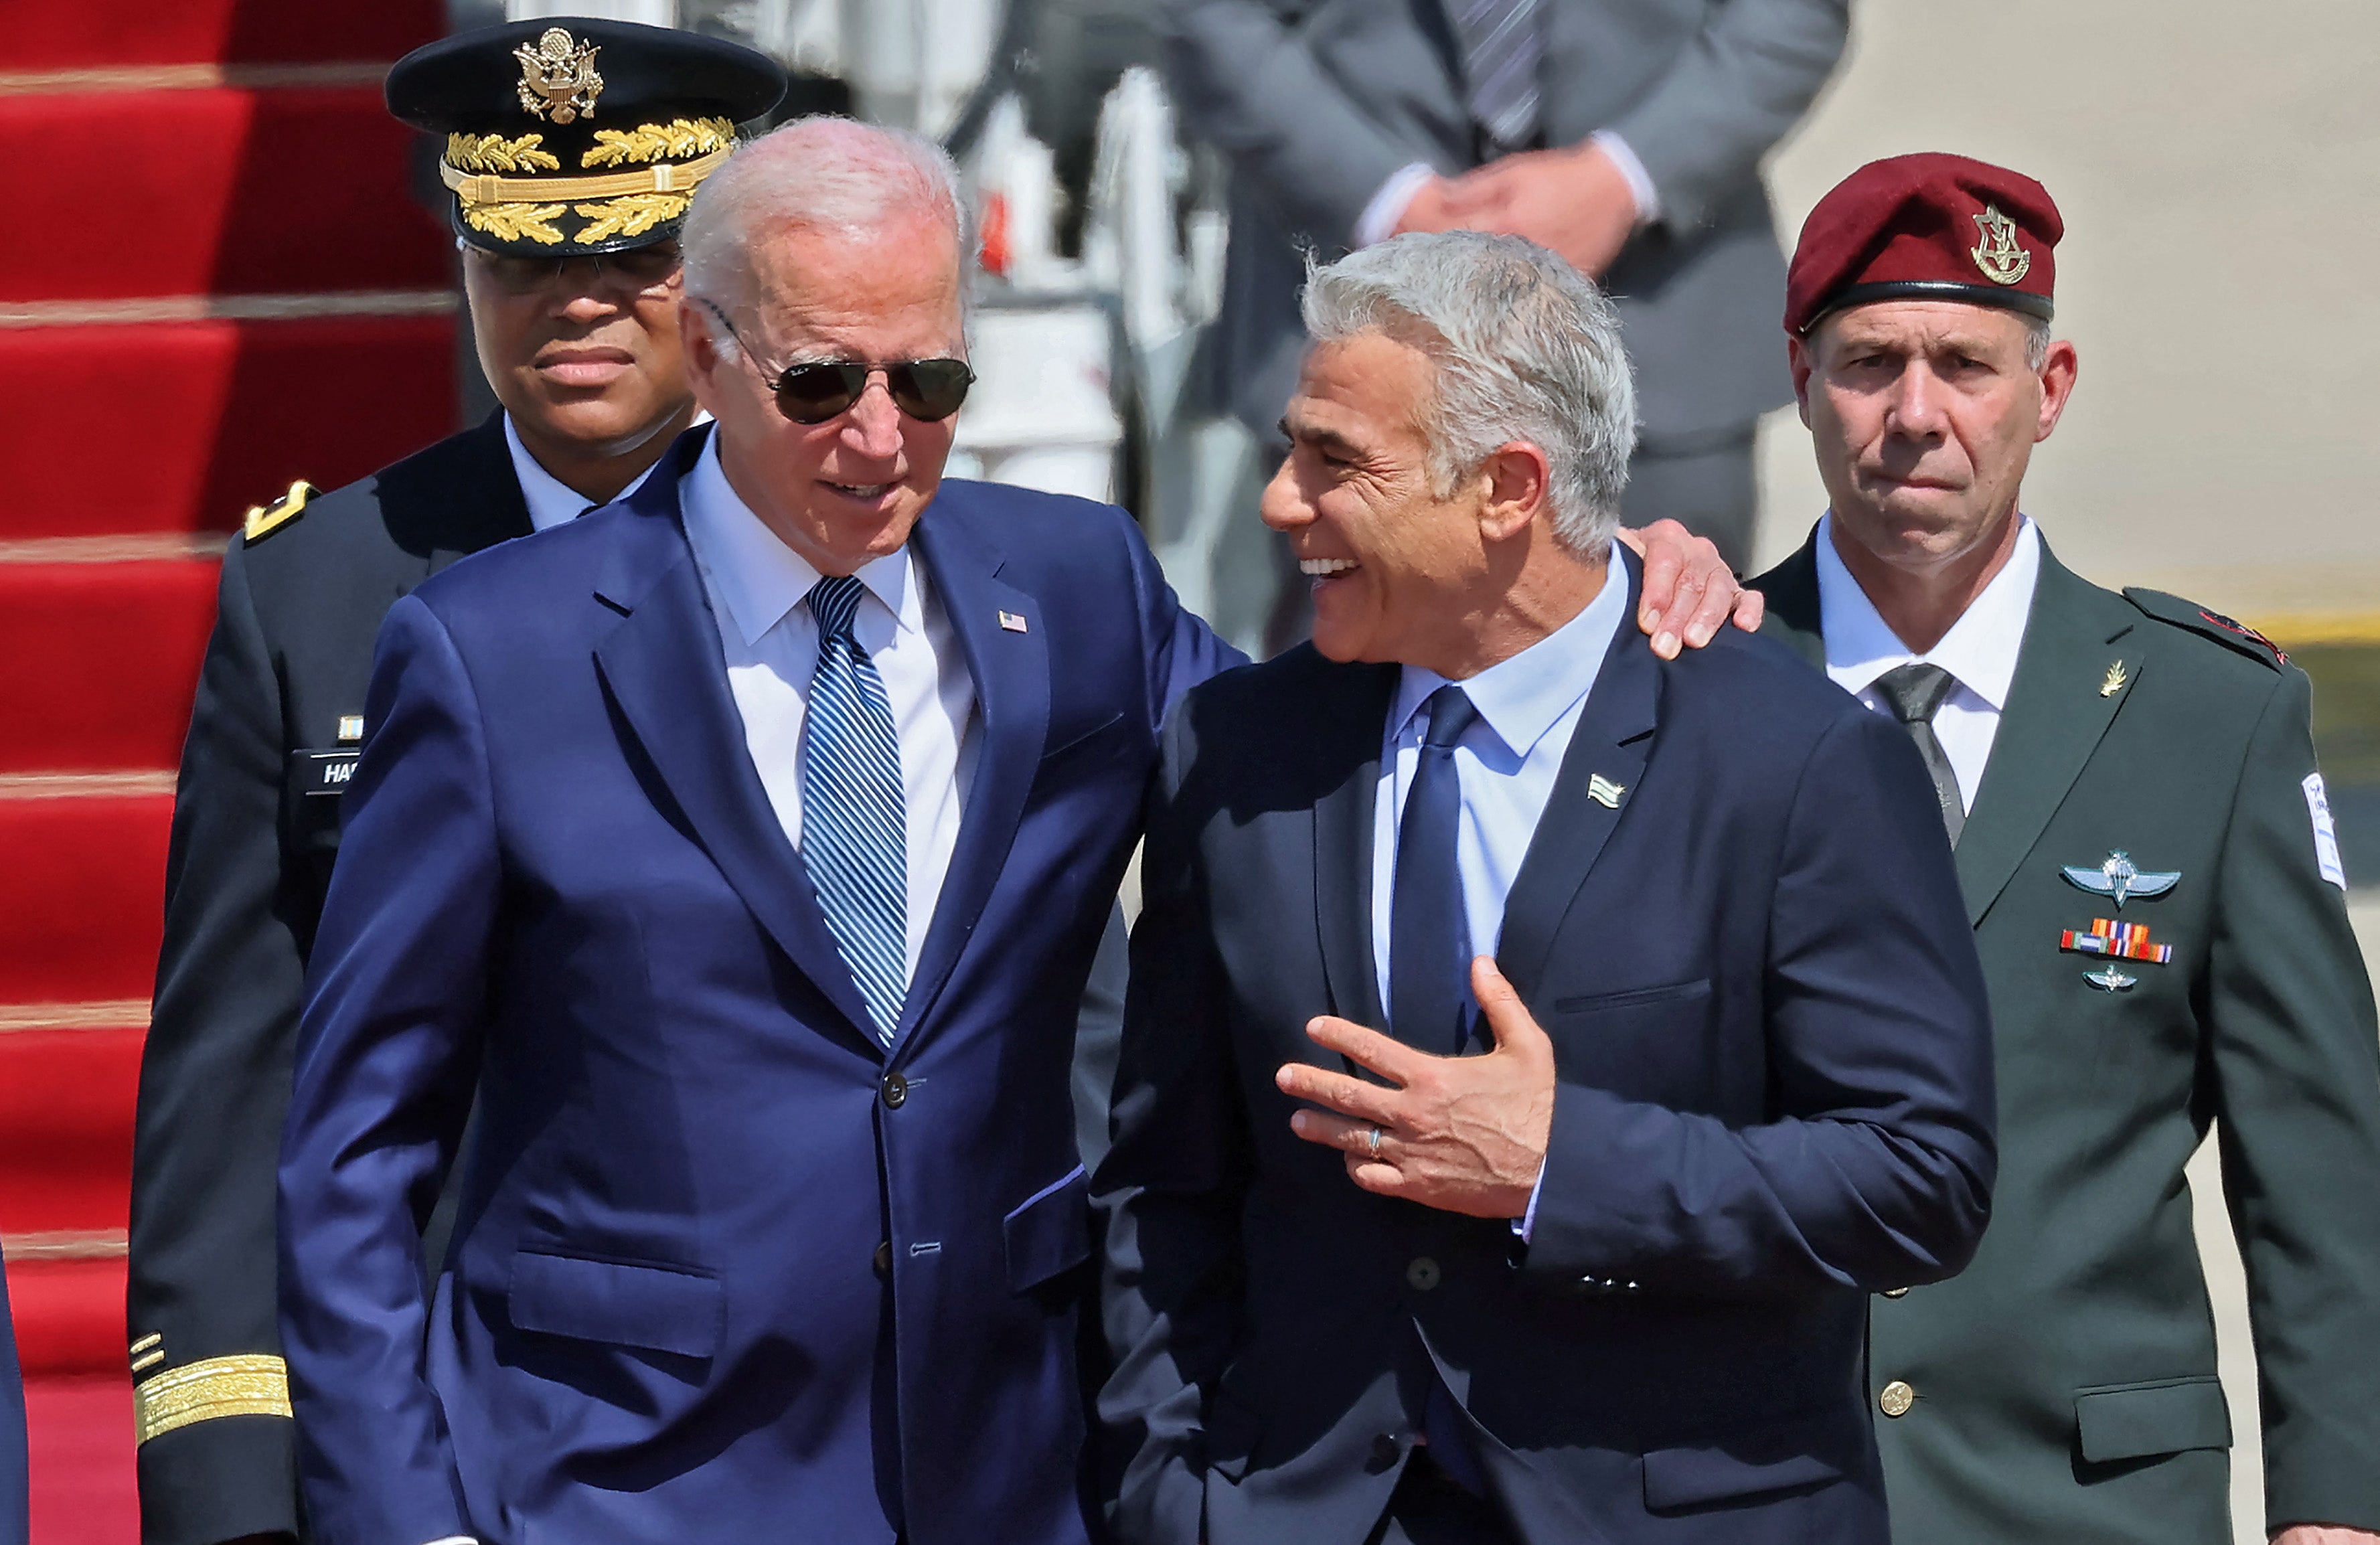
x=325, y=771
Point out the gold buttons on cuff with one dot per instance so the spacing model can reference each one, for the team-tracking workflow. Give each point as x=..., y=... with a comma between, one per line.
x=1421, y=1275
x=1896, y=1398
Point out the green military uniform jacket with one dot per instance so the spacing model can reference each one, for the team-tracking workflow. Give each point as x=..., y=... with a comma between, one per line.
x=2063, y=1389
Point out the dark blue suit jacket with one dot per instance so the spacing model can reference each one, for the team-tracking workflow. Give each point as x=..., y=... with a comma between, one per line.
x=723, y=1268
x=13, y=1523
x=1775, y=1096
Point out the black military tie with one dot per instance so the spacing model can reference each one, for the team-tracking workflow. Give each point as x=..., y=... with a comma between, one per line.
x=1914, y=691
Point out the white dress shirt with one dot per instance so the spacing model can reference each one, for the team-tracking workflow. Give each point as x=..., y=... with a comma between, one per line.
x=1980, y=651
x=552, y=501
x=1505, y=764
x=756, y=586
x=1389, y=202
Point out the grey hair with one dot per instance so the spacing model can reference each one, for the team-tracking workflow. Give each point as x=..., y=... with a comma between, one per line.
x=1525, y=347
x=816, y=173
x=2036, y=343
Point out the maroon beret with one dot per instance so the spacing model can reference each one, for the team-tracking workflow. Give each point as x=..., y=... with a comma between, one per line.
x=1927, y=227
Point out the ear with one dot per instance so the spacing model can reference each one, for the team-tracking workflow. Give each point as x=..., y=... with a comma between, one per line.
x=1801, y=359
x=2057, y=374
x=1519, y=479
x=706, y=359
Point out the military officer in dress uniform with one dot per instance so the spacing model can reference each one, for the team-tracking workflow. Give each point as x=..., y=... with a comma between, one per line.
x=2150, y=868
x=571, y=150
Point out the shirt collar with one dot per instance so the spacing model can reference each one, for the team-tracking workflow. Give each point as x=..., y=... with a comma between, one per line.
x=1521, y=698
x=758, y=578
x=550, y=501
x=1980, y=650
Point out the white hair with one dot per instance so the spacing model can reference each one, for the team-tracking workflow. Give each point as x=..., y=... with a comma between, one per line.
x=1525, y=347
x=817, y=174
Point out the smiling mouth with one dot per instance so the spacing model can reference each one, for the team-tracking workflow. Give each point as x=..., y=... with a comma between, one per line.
x=862, y=490
x=1325, y=568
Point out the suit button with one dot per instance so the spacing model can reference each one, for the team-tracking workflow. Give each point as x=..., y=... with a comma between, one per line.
x=1421, y=1275
x=1895, y=1399
x=1386, y=1452
x=883, y=1260
x=896, y=1091
x=1896, y=1293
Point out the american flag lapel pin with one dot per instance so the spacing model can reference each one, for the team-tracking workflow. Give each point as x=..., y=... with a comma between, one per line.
x=1012, y=622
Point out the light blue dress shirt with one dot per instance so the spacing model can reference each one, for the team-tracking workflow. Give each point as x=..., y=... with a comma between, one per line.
x=1505, y=762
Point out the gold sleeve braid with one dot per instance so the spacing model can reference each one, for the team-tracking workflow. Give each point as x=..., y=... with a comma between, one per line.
x=249, y=1385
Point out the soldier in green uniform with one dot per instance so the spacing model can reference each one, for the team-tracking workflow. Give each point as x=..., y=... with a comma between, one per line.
x=2150, y=868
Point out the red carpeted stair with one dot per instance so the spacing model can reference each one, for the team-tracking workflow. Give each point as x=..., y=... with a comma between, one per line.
x=222, y=284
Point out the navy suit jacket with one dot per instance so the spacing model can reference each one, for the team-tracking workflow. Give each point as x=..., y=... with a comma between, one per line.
x=1775, y=1095
x=723, y=1268
x=13, y=1520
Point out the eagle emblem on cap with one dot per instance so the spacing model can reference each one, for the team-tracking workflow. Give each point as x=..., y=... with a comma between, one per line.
x=2002, y=261
x=558, y=77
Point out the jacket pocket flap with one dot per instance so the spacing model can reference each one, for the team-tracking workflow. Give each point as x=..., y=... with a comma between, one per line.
x=1811, y=1448
x=1049, y=1232
x=2133, y=1421
x=1602, y=1002
x=648, y=1307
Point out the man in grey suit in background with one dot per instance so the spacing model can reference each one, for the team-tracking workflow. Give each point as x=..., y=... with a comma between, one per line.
x=1626, y=137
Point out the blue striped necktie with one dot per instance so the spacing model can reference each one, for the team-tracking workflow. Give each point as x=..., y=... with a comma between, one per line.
x=1503, y=44
x=854, y=825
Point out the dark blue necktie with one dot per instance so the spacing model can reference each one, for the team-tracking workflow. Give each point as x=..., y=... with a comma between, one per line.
x=1429, y=939
x=1430, y=972
x=854, y=824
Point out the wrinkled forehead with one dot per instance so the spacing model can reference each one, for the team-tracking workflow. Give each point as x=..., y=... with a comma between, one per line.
x=888, y=293
x=1925, y=327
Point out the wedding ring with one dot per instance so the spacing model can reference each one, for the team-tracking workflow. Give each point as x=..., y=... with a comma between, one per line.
x=1376, y=1142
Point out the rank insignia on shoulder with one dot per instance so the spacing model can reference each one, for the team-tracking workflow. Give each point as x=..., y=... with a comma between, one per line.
x=2118, y=878
x=264, y=519
x=2117, y=941
x=2207, y=624
x=1604, y=792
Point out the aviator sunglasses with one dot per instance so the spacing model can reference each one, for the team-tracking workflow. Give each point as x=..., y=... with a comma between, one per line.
x=926, y=390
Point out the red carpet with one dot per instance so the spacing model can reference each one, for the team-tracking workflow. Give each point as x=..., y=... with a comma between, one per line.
x=249, y=296
x=230, y=413
x=89, y=34
x=104, y=657
x=189, y=193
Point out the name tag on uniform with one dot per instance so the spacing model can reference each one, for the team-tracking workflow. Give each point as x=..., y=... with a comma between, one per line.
x=2325, y=832
x=325, y=771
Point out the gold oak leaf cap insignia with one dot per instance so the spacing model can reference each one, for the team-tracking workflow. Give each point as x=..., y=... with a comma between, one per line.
x=264, y=519
x=529, y=170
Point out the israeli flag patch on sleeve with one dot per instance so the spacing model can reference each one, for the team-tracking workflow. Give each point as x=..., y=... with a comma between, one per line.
x=2325, y=834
